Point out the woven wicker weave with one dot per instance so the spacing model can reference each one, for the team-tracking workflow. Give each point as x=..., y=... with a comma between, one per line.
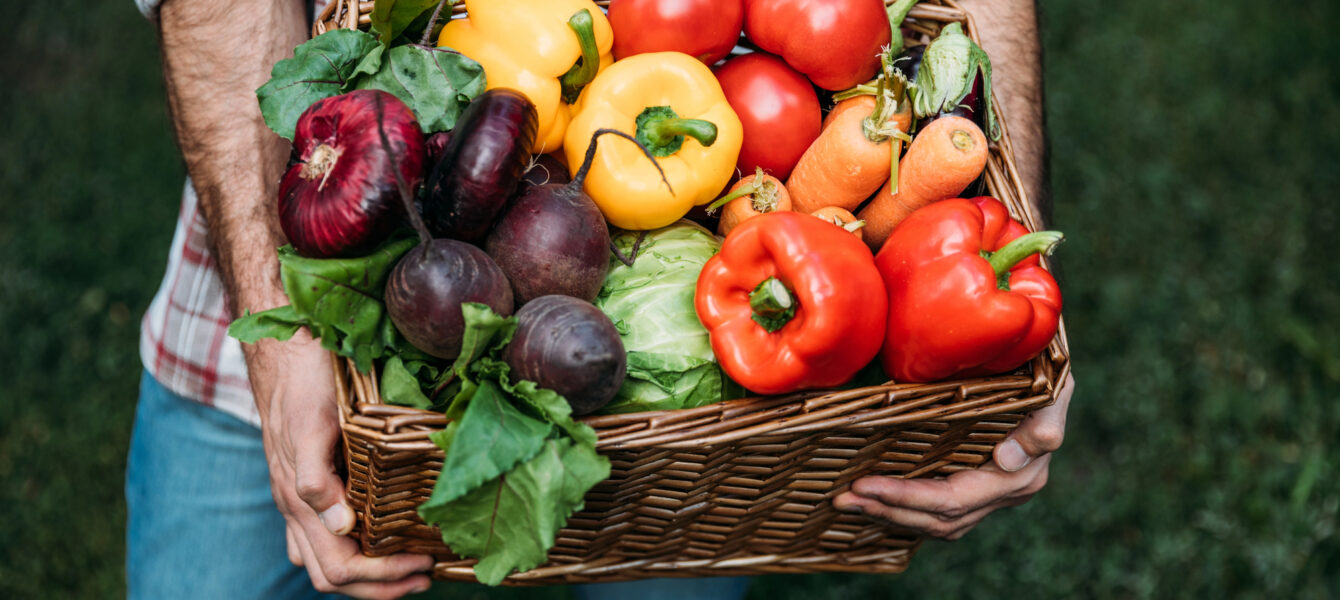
x=736, y=488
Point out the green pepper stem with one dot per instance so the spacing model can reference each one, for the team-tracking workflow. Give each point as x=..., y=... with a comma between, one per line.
x=773, y=305
x=584, y=70
x=1022, y=247
x=664, y=131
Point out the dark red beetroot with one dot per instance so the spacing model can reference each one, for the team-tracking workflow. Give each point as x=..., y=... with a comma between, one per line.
x=427, y=286
x=481, y=165
x=339, y=196
x=553, y=240
x=569, y=346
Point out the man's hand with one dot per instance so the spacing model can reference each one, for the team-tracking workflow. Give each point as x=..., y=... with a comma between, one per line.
x=215, y=55
x=295, y=381
x=948, y=508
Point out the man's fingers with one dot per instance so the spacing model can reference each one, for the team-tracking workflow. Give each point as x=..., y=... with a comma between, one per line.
x=338, y=567
x=314, y=474
x=291, y=541
x=917, y=521
x=952, y=497
x=1041, y=432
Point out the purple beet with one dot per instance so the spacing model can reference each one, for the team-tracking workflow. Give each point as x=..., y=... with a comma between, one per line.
x=552, y=239
x=569, y=346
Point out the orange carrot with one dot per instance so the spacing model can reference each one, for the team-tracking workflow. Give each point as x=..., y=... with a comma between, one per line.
x=850, y=158
x=842, y=166
x=842, y=218
x=751, y=196
x=945, y=156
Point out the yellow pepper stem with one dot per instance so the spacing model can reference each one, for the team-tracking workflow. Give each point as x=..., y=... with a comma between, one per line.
x=660, y=129
x=584, y=70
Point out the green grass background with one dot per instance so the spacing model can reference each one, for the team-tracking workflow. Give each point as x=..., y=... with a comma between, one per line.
x=1195, y=171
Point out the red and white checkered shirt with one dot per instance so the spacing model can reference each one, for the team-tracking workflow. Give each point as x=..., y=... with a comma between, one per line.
x=184, y=339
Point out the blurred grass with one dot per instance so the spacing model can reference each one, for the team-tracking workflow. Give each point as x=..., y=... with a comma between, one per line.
x=1194, y=170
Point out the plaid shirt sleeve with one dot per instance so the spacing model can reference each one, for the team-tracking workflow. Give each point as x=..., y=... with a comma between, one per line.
x=184, y=339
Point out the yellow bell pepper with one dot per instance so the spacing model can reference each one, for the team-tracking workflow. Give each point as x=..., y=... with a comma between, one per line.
x=674, y=106
x=541, y=48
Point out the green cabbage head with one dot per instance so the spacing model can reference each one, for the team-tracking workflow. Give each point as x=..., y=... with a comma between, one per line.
x=670, y=360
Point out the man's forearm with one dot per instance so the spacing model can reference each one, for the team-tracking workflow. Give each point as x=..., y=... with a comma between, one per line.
x=215, y=54
x=1009, y=33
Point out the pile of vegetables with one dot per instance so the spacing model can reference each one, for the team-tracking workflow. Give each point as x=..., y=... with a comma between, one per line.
x=511, y=216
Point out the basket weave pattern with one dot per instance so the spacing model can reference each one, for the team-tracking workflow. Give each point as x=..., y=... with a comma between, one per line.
x=737, y=488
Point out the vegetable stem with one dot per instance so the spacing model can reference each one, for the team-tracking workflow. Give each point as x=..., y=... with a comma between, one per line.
x=579, y=178
x=414, y=218
x=664, y=131
x=773, y=304
x=865, y=89
x=428, y=31
x=1019, y=249
x=584, y=70
x=744, y=190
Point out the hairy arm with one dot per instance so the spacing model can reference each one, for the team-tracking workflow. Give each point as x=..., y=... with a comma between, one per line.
x=1009, y=33
x=950, y=507
x=215, y=55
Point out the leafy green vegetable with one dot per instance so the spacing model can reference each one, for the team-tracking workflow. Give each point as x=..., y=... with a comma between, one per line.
x=492, y=438
x=401, y=381
x=320, y=68
x=436, y=83
x=669, y=381
x=279, y=323
x=948, y=68
x=510, y=522
x=897, y=12
x=392, y=17
x=670, y=360
x=338, y=299
x=424, y=381
x=517, y=464
x=498, y=430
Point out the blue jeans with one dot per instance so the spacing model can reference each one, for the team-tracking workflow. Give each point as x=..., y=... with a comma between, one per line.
x=203, y=524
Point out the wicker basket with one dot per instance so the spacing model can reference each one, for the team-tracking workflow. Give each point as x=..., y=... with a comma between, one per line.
x=738, y=488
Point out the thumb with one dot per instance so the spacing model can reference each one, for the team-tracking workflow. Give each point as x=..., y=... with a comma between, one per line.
x=316, y=481
x=1041, y=432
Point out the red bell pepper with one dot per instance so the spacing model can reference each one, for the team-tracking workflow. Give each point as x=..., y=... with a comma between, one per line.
x=836, y=43
x=791, y=302
x=967, y=294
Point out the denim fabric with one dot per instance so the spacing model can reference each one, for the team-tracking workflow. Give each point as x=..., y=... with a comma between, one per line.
x=204, y=526
x=202, y=522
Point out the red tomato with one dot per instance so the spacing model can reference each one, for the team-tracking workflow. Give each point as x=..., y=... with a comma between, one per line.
x=836, y=43
x=705, y=29
x=778, y=108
